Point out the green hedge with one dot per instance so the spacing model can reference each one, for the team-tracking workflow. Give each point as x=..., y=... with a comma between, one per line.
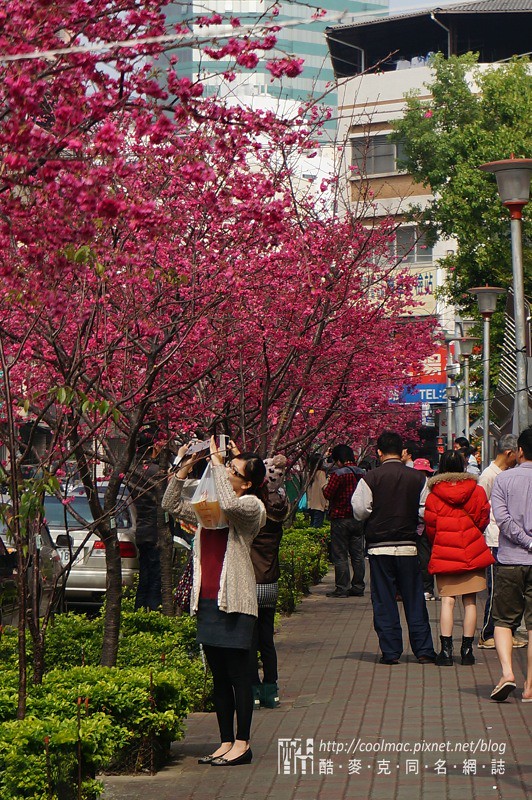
x=98, y=718
x=85, y=718
x=45, y=759
x=303, y=561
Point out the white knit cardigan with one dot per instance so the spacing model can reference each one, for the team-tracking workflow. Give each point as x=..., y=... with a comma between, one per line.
x=246, y=515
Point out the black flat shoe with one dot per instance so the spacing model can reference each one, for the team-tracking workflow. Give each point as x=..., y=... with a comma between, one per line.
x=245, y=758
x=209, y=759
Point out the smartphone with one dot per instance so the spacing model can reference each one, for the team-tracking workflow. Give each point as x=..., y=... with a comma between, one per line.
x=223, y=444
x=200, y=448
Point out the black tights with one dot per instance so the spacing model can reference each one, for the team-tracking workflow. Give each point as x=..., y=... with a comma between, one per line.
x=232, y=690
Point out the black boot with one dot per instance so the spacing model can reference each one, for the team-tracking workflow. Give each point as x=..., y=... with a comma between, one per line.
x=445, y=656
x=466, y=651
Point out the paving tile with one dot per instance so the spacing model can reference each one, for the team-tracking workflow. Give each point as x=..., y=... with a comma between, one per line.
x=369, y=724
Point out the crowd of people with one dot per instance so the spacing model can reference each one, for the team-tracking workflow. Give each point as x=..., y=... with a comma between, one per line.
x=444, y=524
x=450, y=530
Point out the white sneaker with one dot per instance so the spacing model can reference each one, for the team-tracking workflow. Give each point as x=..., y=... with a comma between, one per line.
x=429, y=596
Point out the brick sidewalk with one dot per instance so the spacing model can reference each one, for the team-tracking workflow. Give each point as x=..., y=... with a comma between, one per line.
x=333, y=691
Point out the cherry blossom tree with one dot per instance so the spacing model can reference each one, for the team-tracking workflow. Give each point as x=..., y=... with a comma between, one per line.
x=157, y=267
x=74, y=105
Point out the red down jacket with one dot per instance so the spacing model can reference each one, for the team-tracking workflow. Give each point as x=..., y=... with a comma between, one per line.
x=456, y=513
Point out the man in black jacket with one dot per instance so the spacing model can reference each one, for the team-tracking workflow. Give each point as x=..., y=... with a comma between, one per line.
x=391, y=499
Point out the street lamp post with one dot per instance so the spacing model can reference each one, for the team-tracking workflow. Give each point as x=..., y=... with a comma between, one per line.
x=467, y=343
x=487, y=303
x=513, y=182
x=449, y=390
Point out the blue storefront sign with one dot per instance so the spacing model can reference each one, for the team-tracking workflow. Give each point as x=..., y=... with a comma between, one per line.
x=424, y=393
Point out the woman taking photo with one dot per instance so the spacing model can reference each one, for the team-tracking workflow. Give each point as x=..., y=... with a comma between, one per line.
x=224, y=594
x=456, y=513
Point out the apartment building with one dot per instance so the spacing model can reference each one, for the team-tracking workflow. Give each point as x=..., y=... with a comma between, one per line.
x=376, y=63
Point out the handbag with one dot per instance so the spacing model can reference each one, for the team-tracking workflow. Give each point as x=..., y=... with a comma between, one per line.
x=267, y=594
x=183, y=592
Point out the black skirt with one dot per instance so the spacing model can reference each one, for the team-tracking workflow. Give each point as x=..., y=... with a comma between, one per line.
x=218, y=629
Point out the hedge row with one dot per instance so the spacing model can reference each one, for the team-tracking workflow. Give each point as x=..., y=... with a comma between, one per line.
x=303, y=560
x=84, y=718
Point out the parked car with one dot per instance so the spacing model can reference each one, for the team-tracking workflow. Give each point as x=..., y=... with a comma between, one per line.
x=49, y=569
x=84, y=551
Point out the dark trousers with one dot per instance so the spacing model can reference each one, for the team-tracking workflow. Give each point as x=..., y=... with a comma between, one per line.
x=149, y=586
x=487, y=626
x=263, y=642
x=424, y=550
x=391, y=575
x=232, y=690
x=347, y=544
x=317, y=517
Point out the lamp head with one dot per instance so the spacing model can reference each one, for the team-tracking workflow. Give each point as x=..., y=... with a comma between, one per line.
x=513, y=181
x=487, y=298
x=467, y=343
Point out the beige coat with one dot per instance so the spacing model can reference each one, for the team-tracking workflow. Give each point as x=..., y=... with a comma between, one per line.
x=315, y=497
x=246, y=515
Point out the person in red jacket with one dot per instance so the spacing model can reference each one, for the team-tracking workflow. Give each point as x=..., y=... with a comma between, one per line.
x=456, y=513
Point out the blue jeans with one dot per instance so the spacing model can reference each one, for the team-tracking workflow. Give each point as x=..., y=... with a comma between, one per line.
x=390, y=575
x=149, y=586
x=317, y=517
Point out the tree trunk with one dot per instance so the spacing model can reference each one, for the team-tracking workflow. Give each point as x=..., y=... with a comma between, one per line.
x=38, y=659
x=166, y=543
x=113, y=600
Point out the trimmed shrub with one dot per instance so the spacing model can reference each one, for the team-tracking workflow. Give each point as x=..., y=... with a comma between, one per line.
x=41, y=759
x=303, y=561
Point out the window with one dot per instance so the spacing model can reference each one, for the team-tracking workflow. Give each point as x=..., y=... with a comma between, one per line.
x=377, y=155
x=56, y=513
x=411, y=246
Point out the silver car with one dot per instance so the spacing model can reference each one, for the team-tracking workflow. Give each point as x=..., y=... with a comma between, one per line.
x=84, y=551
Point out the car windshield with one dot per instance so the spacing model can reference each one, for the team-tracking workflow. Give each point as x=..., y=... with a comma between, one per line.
x=56, y=513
